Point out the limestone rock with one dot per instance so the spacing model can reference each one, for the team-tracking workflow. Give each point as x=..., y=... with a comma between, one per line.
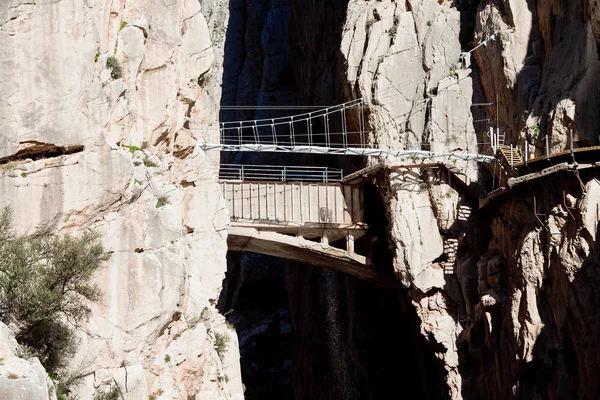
x=21, y=379
x=125, y=85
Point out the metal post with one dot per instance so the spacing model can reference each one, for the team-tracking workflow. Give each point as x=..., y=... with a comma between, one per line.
x=222, y=126
x=497, y=114
x=240, y=133
x=547, y=148
x=255, y=132
x=360, y=124
x=492, y=138
x=571, y=140
x=242, y=173
x=512, y=161
x=326, y=175
x=292, y=134
x=284, y=174
x=274, y=132
x=309, y=125
x=327, y=128
x=344, y=137
x=526, y=152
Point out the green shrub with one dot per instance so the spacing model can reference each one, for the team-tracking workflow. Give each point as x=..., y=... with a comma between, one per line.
x=228, y=324
x=97, y=56
x=162, y=201
x=112, y=394
x=45, y=283
x=221, y=342
x=13, y=376
x=132, y=149
x=113, y=64
x=167, y=358
x=123, y=25
x=148, y=163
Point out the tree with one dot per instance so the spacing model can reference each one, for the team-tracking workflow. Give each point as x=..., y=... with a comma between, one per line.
x=45, y=288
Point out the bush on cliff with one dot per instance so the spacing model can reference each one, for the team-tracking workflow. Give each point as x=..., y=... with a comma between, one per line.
x=45, y=286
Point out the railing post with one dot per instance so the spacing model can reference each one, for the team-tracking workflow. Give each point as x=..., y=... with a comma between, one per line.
x=284, y=173
x=512, y=160
x=242, y=173
x=326, y=175
x=526, y=152
x=547, y=148
x=571, y=140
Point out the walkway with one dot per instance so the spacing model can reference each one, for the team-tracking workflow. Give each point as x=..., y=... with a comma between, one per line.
x=299, y=213
x=339, y=129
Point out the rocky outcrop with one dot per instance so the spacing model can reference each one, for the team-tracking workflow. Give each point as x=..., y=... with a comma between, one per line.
x=21, y=378
x=542, y=65
x=99, y=130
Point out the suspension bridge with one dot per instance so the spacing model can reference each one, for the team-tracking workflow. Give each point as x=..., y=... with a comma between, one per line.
x=336, y=130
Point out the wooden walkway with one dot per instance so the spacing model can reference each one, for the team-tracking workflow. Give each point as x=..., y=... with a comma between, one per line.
x=316, y=223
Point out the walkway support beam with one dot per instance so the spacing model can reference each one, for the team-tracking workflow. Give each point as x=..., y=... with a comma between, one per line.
x=298, y=249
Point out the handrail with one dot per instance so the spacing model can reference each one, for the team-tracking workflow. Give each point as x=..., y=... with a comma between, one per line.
x=242, y=172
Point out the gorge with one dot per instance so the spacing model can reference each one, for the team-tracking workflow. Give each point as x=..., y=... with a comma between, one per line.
x=105, y=106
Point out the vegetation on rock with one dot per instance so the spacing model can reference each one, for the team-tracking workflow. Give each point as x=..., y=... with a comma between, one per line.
x=45, y=286
x=113, y=64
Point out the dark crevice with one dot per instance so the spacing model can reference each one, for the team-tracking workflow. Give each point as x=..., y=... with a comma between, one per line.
x=34, y=150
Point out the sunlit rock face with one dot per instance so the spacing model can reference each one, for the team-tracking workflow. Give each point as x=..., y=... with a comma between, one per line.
x=79, y=81
x=21, y=378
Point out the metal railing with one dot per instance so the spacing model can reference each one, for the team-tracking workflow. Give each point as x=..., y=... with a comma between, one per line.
x=241, y=172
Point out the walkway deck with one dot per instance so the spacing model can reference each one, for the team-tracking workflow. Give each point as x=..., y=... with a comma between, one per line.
x=313, y=222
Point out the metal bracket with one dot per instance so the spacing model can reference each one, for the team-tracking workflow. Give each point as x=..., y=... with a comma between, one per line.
x=537, y=216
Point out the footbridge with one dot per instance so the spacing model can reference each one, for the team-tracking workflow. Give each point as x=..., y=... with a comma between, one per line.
x=306, y=214
x=338, y=130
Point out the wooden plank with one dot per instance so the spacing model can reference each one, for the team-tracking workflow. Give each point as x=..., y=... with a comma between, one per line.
x=536, y=175
x=356, y=204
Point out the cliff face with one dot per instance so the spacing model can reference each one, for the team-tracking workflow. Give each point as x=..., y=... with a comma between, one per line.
x=510, y=322
x=542, y=65
x=79, y=81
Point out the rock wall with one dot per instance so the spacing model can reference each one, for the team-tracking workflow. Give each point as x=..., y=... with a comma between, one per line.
x=20, y=378
x=539, y=59
x=531, y=298
x=542, y=66
x=104, y=104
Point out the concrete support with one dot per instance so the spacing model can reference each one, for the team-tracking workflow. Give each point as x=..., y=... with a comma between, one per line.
x=309, y=252
x=350, y=243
